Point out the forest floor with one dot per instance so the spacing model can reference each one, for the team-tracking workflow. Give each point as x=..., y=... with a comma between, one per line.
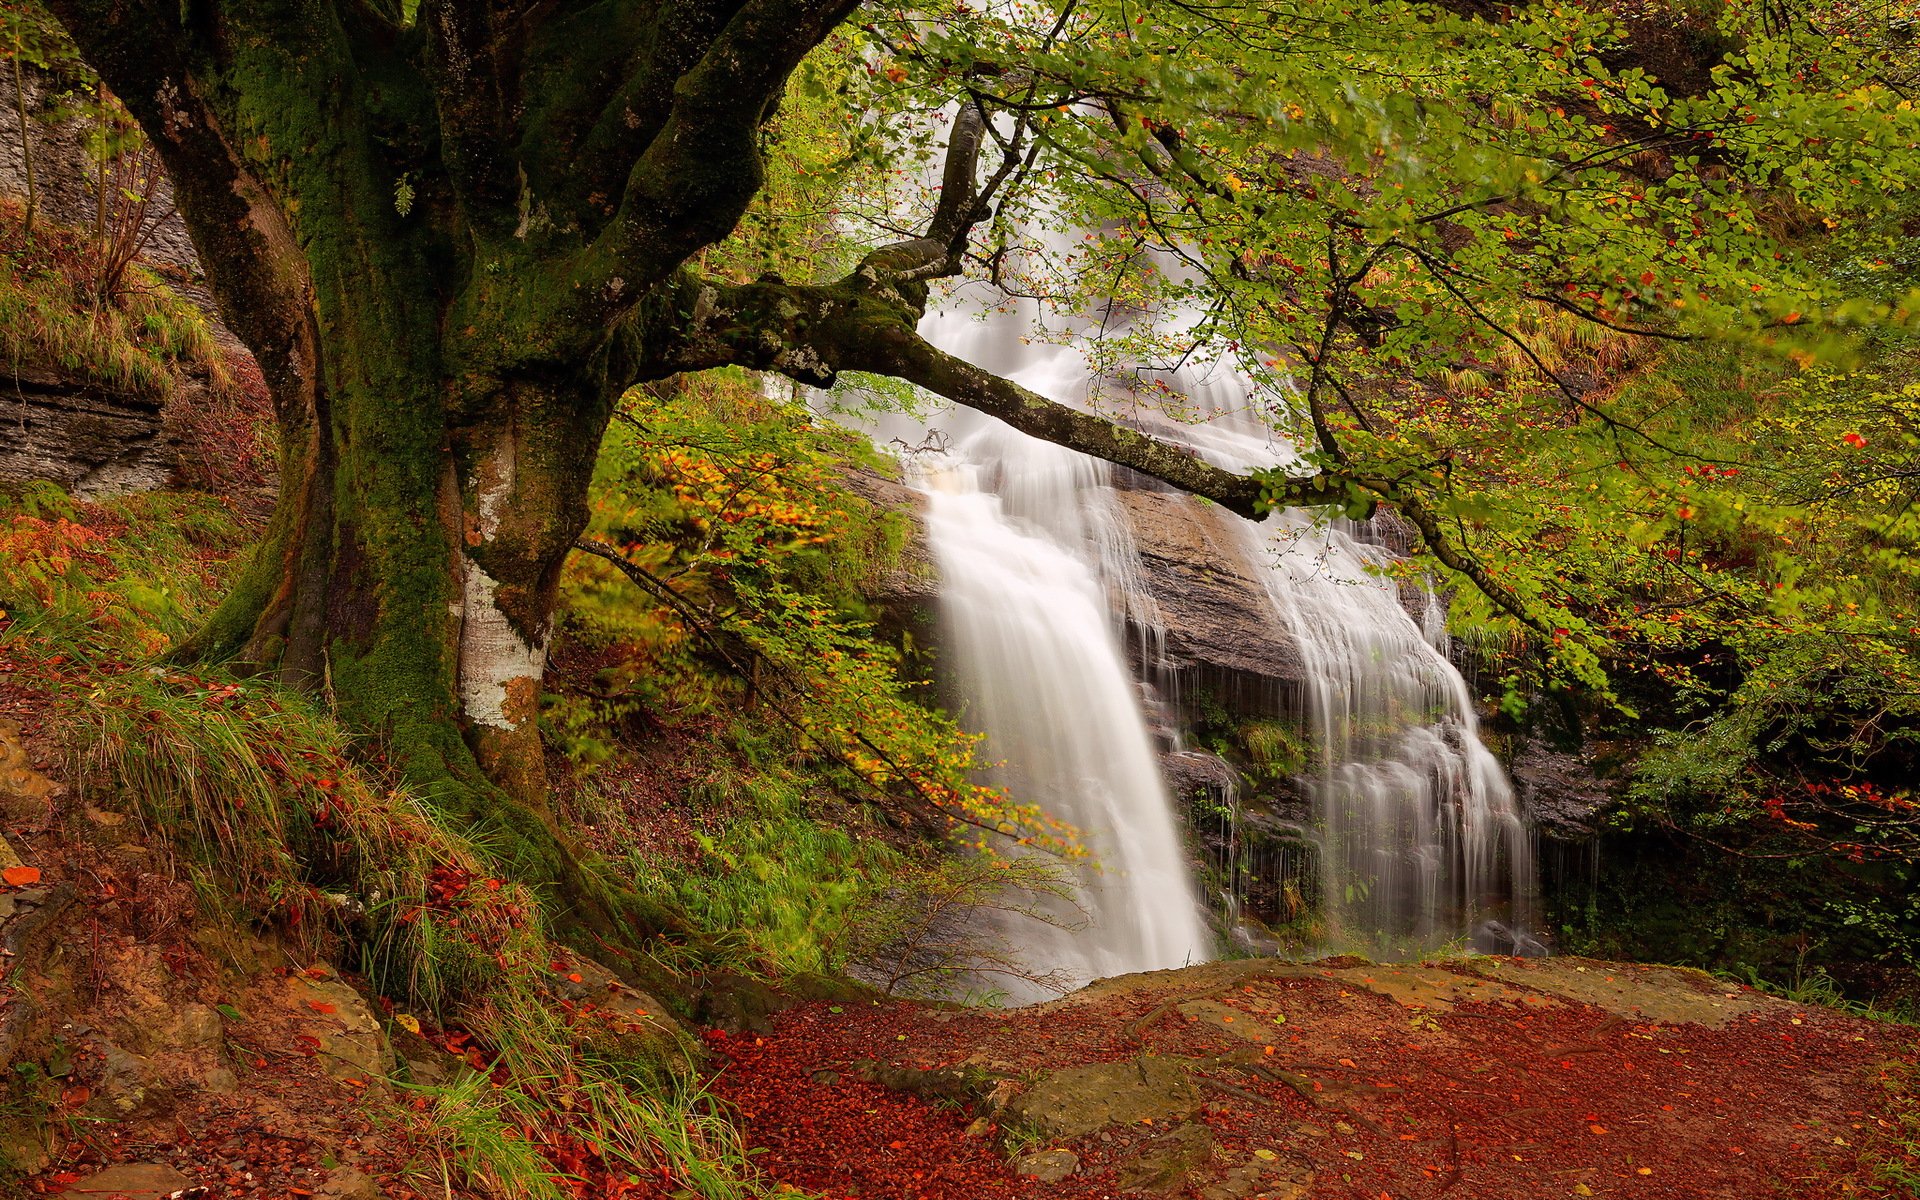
x=1478, y=1078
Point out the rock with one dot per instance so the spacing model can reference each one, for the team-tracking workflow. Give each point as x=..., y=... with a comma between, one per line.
x=1219, y=631
x=352, y=1044
x=428, y=1072
x=1163, y=1163
x=636, y=1023
x=1558, y=790
x=64, y=172
x=132, y=1181
x=914, y=579
x=1080, y=1100
x=129, y=1087
x=1047, y=1166
x=24, y=792
x=1196, y=775
x=89, y=440
x=349, y=1184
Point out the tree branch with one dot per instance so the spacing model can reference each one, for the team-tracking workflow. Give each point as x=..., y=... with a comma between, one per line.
x=701, y=170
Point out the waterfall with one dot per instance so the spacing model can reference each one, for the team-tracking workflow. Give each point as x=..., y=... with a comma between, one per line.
x=1033, y=563
x=1422, y=840
x=1419, y=838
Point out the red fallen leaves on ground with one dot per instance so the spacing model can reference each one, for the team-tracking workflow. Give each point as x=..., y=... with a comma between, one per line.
x=1488, y=1100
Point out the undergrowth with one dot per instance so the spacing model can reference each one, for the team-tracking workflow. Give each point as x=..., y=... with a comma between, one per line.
x=259, y=798
x=727, y=609
x=136, y=345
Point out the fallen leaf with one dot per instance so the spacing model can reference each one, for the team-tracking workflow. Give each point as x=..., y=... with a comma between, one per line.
x=321, y=1006
x=21, y=876
x=408, y=1022
x=1597, y=1129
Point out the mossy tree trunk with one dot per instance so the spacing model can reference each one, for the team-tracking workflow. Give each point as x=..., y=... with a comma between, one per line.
x=452, y=242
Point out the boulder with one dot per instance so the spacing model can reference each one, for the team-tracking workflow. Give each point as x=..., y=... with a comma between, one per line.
x=352, y=1044
x=130, y=1086
x=1162, y=1164
x=1216, y=628
x=1047, y=1166
x=134, y=1181
x=1077, y=1101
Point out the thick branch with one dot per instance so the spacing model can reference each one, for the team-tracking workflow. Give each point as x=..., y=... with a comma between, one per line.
x=813, y=333
x=702, y=169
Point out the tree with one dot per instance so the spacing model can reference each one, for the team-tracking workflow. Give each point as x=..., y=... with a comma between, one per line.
x=454, y=236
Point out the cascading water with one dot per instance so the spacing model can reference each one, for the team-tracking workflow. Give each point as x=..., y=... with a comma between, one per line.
x=1029, y=552
x=1420, y=840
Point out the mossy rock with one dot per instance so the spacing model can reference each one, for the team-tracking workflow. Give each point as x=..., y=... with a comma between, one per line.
x=1081, y=1100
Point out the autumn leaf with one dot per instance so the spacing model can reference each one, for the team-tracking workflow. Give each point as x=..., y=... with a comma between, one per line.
x=21, y=876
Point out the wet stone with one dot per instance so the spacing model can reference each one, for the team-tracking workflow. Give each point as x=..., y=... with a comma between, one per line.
x=1047, y=1166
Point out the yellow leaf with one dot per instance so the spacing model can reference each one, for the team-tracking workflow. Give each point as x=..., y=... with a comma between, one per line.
x=408, y=1022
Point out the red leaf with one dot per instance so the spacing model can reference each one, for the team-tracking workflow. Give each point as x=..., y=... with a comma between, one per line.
x=21, y=876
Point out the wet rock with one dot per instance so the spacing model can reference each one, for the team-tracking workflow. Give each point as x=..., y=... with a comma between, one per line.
x=352, y=1044
x=1080, y=1100
x=1219, y=634
x=1163, y=1163
x=1047, y=1166
x=1497, y=937
x=914, y=579
x=133, y=1181
x=1559, y=790
x=1196, y=775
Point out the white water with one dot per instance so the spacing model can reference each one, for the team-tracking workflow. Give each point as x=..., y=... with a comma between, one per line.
x=1421, y=838
x=1029, y=550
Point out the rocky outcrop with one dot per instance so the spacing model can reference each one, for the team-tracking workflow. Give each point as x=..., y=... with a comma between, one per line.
x=914, y=582
x=90, y=441
x=64, y=177
x=1284, y=1080
x=1559, y=790
x=1216, y=628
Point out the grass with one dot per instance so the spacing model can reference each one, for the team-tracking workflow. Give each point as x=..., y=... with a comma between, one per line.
x=784, y=883
x=137, y=346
